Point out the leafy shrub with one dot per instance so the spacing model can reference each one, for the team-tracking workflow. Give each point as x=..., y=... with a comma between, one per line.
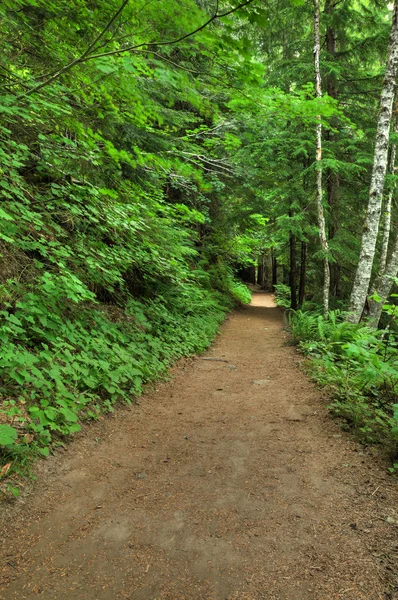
x=240, y=292
x=282, y=295
x=57, y=369
x=221, y=278
x=359, y=368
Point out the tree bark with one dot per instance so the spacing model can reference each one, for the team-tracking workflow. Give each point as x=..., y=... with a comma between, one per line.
x=303, y=268
x=332, y=178
x=261, y=275
x=274, y=268
x=319, y=190
x=371, y=226
x=264, y=273
x=293, y=271
x=383, y=286
x=387, y=207
x=332, y=191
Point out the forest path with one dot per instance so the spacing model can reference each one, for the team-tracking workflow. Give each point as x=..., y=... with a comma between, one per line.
x=228, y=482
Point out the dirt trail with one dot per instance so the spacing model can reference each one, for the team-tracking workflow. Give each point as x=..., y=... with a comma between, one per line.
x=229, y=482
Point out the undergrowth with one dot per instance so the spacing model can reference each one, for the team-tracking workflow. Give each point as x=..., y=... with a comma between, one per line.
x=63, y=364
x=282, y=295
x=358, y=366
x=103, y=283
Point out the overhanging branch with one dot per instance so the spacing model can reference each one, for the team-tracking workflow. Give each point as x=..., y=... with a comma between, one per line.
x=86, y=56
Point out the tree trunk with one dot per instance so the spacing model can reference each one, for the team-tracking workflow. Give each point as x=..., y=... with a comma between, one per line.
x=371, y=227
x=332, y=178
x=292, y=278
x=387, y=208
x=303, y=267
x=332, y=190
x=383, y=286
x=266, y=270
x=319, y=191
x=260, y=271
x=331, y=47
x=274, y=269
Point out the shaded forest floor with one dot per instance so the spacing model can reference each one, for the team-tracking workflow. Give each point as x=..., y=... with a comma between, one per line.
x=229, y=482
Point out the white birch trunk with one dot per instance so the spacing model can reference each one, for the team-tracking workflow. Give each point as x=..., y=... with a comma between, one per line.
x=319, y=191
x=383, y=286
x=387, y=208
x=371, y=226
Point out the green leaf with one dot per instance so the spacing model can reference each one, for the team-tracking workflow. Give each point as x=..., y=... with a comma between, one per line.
x=5, y=216
x=70, y=416
x=8, y=435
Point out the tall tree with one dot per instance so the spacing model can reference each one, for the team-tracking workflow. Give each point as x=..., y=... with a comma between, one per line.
x=387, y=207
x=331, y=175
x=387, y=269
x=303, y=268
x=319, y=187
x=369, y=237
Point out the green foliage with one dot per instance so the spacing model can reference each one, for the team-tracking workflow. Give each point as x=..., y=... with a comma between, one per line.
x=239, y=291
x=137, y=176
x=282, y=295
x=115, y=248
x=221, y=277
x=8, y=435
x=359, y=368
x=61, y=370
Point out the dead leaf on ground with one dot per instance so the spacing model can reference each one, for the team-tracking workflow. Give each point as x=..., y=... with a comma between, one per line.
x=5, y=469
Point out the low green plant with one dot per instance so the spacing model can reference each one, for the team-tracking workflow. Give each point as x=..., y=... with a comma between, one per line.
x=359, y=368
x=282, y=295
x=239, y=291
x=63, y=362
x=8, y=435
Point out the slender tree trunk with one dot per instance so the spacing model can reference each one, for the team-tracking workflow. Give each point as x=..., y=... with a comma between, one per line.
x=303, y=268
x=293, y=270
x=387, y=207
x=260, y=271
x=267, y=272
x=332, y=190
x=252, y=274
x=286, y=275
x=331, y=47
x=274, y=269
x=319, y=190
x=371, y=227
x=386, y=224
x=383, y=286
x=332, y=178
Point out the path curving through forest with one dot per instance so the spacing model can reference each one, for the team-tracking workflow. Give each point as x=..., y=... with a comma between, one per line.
x=229, y=482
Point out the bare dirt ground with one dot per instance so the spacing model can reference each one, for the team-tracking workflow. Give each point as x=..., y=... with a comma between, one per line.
x=229, y=482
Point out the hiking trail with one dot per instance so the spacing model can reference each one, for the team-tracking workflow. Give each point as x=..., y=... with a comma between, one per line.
x=228, y=482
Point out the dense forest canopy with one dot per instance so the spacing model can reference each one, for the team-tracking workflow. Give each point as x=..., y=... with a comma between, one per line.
x=151, y=153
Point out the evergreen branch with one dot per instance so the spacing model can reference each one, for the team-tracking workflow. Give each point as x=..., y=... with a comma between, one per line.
x=171, y=42
x=81, y=58
x=86, y=56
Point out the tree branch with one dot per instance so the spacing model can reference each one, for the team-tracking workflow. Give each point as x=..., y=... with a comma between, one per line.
x=87, y=56
x=82, y=57
x=170, y=42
